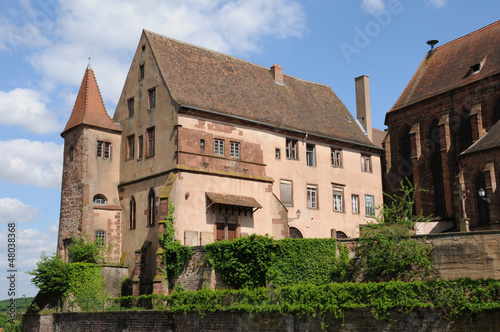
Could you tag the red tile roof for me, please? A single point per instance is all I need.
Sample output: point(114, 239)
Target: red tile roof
point(378, 136)
point(216, 82)
point(89, 108)
point(235, 200)
point(449, 66)
point(491, 140)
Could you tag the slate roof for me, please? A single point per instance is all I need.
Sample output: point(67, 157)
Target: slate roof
point(203, 79)
point(490, 140)
point(448, 66)
point(89, 108)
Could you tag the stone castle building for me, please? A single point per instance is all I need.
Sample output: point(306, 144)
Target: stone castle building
point(236, 147)
point(444, 133)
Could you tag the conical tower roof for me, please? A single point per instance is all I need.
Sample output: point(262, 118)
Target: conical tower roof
point(89, 108)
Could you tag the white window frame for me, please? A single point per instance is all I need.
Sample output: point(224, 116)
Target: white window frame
point(311, 155)
point(312, 196)
point(355, 204)
point(369, 205)
point(291, 149)
point(218, 147)
point(336, 156)
point(234, 149)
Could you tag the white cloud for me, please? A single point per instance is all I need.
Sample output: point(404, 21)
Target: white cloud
point(13, 210)
point(26, 108)
point(31, 162)
point(438, 3)
point(373, 6)
point(30, 243)
point(108, 32)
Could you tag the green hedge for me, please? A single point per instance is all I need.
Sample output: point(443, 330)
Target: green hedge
point(454, 297)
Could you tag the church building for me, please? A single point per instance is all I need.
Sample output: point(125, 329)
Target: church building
point(443, 133)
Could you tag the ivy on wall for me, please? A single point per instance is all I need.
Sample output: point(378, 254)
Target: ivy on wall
point(175, 255)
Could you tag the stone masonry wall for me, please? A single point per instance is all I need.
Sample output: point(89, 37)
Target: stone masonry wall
point(355, 321)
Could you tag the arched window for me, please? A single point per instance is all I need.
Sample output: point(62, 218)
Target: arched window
point(406, 168)
point(295, 233)
point(100, 238)
point(483, 207)
point(341, 235)
point(151, 208)
point(132, 213)
point(465, 130)
point(496, 112)
point(434, 140)
point(100, 199)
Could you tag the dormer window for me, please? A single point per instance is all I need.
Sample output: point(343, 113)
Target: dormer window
point(475, 69)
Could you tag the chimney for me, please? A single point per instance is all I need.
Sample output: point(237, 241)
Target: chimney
point(277, 72)
point(363, 107)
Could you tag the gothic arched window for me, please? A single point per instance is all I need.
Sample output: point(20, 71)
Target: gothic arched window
point(434, 141)
point(132, 213)
point(405, 157)
point(482, 203)
point(151, 208)
point(496, 112)
point(465, 130)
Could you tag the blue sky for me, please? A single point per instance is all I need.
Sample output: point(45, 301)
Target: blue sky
point(45, 46)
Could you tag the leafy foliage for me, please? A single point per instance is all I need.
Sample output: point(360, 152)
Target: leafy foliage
point(51, 276)
point(175, 255)
point(302, 261)
point(57, 279)
point(386, 250)
point(243, 262)
point(86, 251)
point(454, 297)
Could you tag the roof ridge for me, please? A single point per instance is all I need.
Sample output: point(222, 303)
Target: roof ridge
point(456, 40)
point(229, 56)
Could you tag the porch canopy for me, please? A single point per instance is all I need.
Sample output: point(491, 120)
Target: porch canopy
point(232, 203)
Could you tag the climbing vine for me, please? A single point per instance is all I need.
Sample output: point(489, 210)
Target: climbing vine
point(175, 255)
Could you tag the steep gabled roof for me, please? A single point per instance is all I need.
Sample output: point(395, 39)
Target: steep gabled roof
point(216, 82)
point(89, 108)
point(449, 66)
point(490, 140)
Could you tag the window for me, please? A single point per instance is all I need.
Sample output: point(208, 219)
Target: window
point(130, 107)
point(141, 148)
point(130, 147)
point(71, 152)
point(338, 198)
point(103, 149)
point(496, 112)
point(235, 150)
point(141, 72)
point(366, 165)
point(150, 148)
point(219, 147)
point(291, 149)
point(310, 154)
point(465, 130)
point(286, 192)
point(99, 199)
point(336, 155)
point(277, 153)
point(152, 98)
point(312, 196)
point(132, 213)
point(100, 238)
point(355, 203)
point(151, 208)
point(202, 144)
point(369, 205)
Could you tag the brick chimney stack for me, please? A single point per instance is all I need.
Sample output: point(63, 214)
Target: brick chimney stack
point(277, 72)
point(363, 107)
